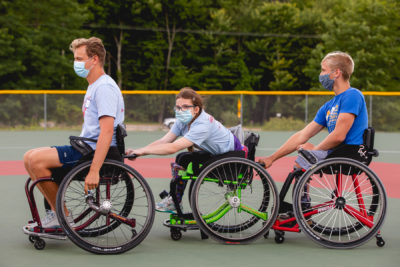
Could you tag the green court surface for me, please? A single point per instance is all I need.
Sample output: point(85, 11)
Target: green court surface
point(158, 249)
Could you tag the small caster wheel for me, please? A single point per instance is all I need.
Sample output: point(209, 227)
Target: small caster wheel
point(176, 234)
point(279, 237)
point(32, 239)
point(266, 235)
point(380, 242)
point(39, 244)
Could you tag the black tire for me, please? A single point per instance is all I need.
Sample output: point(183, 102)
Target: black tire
point(176, 234)
point(39, 244)
point(130, 196)
point(234, 183)
point(340, 220)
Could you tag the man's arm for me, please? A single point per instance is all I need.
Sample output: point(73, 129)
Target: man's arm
point(102, 147)
point(338, 135)
point(293, 142)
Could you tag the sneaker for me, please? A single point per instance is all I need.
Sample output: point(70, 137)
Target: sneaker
point(49, 221)
point(167, 205)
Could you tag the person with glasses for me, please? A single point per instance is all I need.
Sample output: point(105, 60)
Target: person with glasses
point(196, 129)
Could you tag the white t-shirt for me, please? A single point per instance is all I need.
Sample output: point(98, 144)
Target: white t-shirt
point(206, 133)
point(103, 98)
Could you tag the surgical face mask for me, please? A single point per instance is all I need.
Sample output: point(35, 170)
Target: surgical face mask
point(326, 82)
point(184, 116)
point(79, 68)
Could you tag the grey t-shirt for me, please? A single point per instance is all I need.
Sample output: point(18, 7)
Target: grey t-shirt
point(206, 133)
point(103, 98)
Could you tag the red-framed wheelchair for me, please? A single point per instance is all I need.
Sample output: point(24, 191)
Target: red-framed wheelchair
point(338, 203)
point(112, 219)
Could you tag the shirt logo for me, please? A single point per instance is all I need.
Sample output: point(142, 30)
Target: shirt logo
point(86, 104)
point(331, 117)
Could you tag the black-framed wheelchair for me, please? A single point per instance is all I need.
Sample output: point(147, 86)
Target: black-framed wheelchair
point(112, 219)
point(233, 199)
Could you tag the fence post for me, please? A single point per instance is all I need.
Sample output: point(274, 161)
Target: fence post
point(370, 111)
point(306, 110)
point(241, 109)
point(45, 110)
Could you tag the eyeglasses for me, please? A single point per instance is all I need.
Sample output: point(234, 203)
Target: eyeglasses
point(183, 108)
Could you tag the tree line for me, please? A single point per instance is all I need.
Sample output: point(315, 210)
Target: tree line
point(255, 45)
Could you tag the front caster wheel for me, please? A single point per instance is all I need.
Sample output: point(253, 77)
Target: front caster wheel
point(380, 242)
point(279, 237)
point(39, 244)
point(175, 234)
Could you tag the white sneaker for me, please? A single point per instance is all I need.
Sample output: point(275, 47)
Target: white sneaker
point(167, 205)
point(49, 221)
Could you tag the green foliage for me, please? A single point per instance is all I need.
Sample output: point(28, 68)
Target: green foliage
point(67, 113)
point(229, 119)
point(205, 44)
point(283, 124)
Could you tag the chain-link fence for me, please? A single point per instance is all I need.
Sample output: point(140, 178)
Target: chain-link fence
point(267, 110)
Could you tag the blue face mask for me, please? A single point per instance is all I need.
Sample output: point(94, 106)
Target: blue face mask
point(79, 68)
point(184, 116)
point(326, 82)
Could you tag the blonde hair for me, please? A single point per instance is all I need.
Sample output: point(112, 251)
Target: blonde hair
point(94, 47)
point(342, 61)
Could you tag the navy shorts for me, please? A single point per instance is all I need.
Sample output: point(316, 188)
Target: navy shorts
point(68, 155)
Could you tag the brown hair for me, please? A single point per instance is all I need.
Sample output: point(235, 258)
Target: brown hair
point(342, 61)
point(189, 93)
point(94, 47)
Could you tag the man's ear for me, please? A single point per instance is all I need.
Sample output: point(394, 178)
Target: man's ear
point(338, 73)
point(96, 59)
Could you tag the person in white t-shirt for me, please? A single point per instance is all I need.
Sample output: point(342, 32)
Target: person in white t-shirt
point(197, 129)
point(103, 110)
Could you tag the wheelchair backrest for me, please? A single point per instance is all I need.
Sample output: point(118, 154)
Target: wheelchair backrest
point(120, 135)
point(369, 136)
point(251, 141)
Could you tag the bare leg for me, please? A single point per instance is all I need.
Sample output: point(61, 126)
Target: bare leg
point(38, 163)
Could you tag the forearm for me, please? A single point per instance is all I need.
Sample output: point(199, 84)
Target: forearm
point(159, 149)
point(289, 146)
point(329, 142)
point(102, 147)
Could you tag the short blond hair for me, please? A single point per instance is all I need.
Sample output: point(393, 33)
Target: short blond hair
point(342, 61)
point(94, 46)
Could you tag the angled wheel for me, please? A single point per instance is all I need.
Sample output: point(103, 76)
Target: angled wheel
point(115, 217)
point(234, 200)
point(340, 203)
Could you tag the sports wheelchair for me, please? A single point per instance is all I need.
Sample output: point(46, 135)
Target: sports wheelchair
point(113, 218)
point(233, 199)
point(339, 202)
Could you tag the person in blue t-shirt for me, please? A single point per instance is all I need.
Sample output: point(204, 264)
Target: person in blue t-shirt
point(103, 110)
point(345, 116)
point(197, 129)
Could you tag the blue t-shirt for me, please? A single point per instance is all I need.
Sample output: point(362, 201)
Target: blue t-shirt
point(350, 101)
point(103, 98)
point(206, 133)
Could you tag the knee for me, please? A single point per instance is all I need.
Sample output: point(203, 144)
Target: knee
point(33, 161)
point(27, 156)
